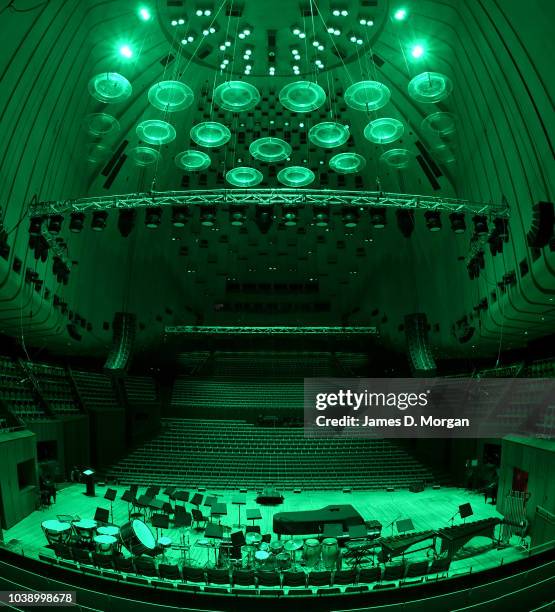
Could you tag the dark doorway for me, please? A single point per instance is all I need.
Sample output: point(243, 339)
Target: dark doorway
point(520, 480)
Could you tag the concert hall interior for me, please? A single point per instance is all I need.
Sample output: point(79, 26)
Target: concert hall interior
point(242, 244)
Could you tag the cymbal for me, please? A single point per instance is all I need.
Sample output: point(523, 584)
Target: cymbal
point(253, 538)
point(292, 545)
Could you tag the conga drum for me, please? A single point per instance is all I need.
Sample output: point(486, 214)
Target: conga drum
point(330, 552)
point(247, 555)
point(311, 552)
point(137, 538)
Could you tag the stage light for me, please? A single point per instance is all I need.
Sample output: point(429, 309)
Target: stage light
point(377, 218)
point(350, 216)
point(290, 216)
point(417, 51)
point(501, 228)
point(126, 51)
point(126, 221)
point(208, 216)
point(433, 220)
point(99, 220)
point(480, 225)
point(76, 222)
point(458, 224)
point(55, 224)
point(321, 216)
point(153, 217)
point(237, 216)
point(400, 14)
point(144, 14)
point(405, 222)
point(179, 216)
point(264, 217)
point(35, 226)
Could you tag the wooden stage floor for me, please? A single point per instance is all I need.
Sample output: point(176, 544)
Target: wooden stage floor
point(430, 509)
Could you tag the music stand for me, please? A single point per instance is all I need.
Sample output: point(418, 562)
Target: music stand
point(214, 532)
point(152, 490)
point(465, 510)
point(169, 491)
point(239, 500)
point(404, 525)
point(210, 500)
point(110, 495)
point(218, 510)
point(102, 515)
point(128, 497)
point(357, 532)
point(253, 514)
point(182, 496)
point(160, 521)
point(197, 499)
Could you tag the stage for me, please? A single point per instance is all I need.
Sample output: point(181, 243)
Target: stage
point(431, 509)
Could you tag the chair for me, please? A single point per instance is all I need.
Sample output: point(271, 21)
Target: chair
point(330, 591)
point(193, 574)
point(170, 572)
point(217, 576)
point(123, 564)
point(356, 589)
point(270, 592)
point(393, 572)
point(268, 579)
point(370, 574)
point(294, 579)
point(145, 566)
point(81, 556)
point(319, 579)
point(198, 517)
point(216, 590)
point(419, 568)
point(137, 580)
point(301, 592)
point(103, 561)
point(243, 578)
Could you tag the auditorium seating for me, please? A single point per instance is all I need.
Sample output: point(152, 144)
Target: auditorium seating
point(96, 390)
point(54, 386)
point(140, 389)
point(232, 454)
point(17, 392)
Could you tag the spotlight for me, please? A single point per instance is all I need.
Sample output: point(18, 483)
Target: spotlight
point(377, 218)
point(99, 220)
point(480, 225)
point(76, 222)
point(501, 228)
point(321, 217)
point(153, 217)
point(237, 215)
point(264, 218)
point(126, 221)
point(144, 14)
point(55, 224)
point(126, 51)
point(458, 224)
point(179, 216)
point(350, 216)
point(290, 216)
point(208, 216)
point(400, 14)
point(35, 226)
point(433, 220)
point(417, 51)
point(405, 222)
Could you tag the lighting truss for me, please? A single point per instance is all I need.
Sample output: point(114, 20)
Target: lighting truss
point(304, 197)
point(242, 330)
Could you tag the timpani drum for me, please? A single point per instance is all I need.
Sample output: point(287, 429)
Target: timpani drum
point(105, 544)
point(56, 532)
point(109, 530)
point(137, 538)
point(311, 552)
point(247, 556)
point(85, 529)
point(330, 552)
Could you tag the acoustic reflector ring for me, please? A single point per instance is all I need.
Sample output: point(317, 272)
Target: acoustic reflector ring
point(244, 176)
point(102, 124)
point(430, 87)
point(347, 163)
point(328, 134)
point(236, 96)
point(110, 87)
point(210, 134)
point(384, 130)
point(269, 149)
point(97, 153)
point(444, 153)
point(367, 95)
point(302, 96)
point(295, 176)
point(170, 96)
point(396, 158)
point(440, 124)
point(156, 131)
point(192, 161)
point(144, 156)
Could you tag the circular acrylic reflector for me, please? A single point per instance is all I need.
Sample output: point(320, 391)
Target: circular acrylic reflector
point(347, 163)
point(441, 124)
point(367, 95)
point(170, 96)
point(236, 96)
point(384, 130)
point(144, 156)
point(110, 87)
point(102, 124)
point(302, 96)
point(328, 134)
point(97, 153)
point(192, 160)
point(270, 149)
point(430, 87)
point(156, 131)
point(295, 176)
point(396, 158)
point(244, 176)
point(210, 134)
point(444, 153)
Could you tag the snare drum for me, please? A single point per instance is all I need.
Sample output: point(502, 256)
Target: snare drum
point(137, 538)
point(105, 544)
point(311, 552)
point(330, 552)
point(283, 561)
point(261, 557)
point(56, 532)
point(247, 556)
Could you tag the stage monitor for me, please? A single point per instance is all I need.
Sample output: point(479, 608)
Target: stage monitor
point(465, 510)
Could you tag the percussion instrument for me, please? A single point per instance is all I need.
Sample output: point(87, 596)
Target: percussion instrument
point(292, 546)
point(137, 538)
point(109, 530)
point(164, 543)
point(85, 529)
point(330, 552)
point(105, 544)
point(265, 546)
point(456, 536)
point(311, 551)
point(247, 555)
point(276, 547)
point(56, 532)
point(261, 557)
point(253, 538)
point(283, 561)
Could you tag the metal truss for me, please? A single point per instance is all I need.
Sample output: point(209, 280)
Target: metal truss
point(285, 197)
point(242, 330)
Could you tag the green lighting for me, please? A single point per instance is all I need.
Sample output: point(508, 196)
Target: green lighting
point(396, 158)
point(110, 87)
point(328, 134)
point(156, 131)
point(144, 14)
point(430, 87)
point(144, 156)
point(210, 134)
point(302, 96)
point(97, 153)
point(367, 95)
point(170, 96)
point(295, 176)
point(102, 124)
point(244, 176)
point(440, 124)
point(384, 130)
point(270, 149)
point(417, 51)
point(347, 163)
point(400, 14)
point(126, 51)
point(236, 96)
point(192, 161)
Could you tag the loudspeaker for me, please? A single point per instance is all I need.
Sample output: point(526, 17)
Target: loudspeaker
point(541, 231)
point(418, 348)
point(465, 510)
point(123, 339)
